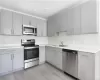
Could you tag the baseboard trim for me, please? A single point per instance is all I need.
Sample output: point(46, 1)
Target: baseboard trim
point(54, 66)
point(10, 72)
point(18, 69)
point(41, 63)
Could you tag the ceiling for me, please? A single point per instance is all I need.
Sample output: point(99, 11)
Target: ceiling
point(41, 8)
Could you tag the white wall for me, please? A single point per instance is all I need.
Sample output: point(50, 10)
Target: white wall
point(84, 40)
point(16, 40)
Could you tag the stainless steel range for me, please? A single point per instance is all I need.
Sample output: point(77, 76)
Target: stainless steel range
point(31, 53)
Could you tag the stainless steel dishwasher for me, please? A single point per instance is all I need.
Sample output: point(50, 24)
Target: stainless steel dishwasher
point(70, 62)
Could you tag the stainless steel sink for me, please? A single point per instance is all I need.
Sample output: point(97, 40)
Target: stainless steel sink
point(63, 45)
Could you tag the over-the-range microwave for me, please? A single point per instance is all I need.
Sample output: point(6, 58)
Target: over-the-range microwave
point(29, 30)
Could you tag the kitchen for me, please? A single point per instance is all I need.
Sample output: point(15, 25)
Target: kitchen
point(64, 45)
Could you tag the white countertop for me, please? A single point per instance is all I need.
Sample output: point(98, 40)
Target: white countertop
point(91, 49)
point(10, 46)
point(84, 48)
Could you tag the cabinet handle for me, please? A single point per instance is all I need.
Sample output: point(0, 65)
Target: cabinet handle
point(11, 31)
point(30, 23)
point(11, 57)
point(85, 55)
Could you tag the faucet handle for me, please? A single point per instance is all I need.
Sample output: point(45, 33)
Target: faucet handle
point(61, 42)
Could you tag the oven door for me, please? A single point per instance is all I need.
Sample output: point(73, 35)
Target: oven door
point(31, 53)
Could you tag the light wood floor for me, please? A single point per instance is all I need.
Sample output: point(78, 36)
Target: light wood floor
point(42, 72)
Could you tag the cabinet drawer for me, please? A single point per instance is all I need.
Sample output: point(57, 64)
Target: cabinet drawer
point(86, 66)
point(6, 51)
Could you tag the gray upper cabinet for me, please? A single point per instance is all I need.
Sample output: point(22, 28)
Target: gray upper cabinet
point(33, 21)
point(17, 24)
point(77, 19)
point(74, 17)
point(11, 23)
point(26, 20)
point(6, 22)
point(57, 22)
point(51, 26)
point(66, 20)
point(89, 17)
point(70, 28)
point(41, 27)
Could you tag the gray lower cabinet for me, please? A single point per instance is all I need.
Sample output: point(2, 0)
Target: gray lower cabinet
point(86, 66)
point(58, 58)
point(49, 54)
point(17, 24)
point(11, 60)
point(89, 17)
point(18, 59)
point(41, 54)
point(6, 22)
point(54, 56)
point(5, 63)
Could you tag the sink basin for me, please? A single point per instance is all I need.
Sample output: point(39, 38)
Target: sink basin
point(54, 45)
point(63, 45)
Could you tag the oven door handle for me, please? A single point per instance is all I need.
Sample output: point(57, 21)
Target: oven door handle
point(30, 47)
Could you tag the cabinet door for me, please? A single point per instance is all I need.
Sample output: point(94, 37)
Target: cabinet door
point(89, 17)
point(70, 28)
point(49, 54)
point(26, 20)
point(17, 24)
point(41, 28)
point(18, 59)
point(6, 22)
point(44, 29)
point(34, 21)
point(86, 66)
point(74, 20)
point(47, 51)
point(51, 26)
point(58, 58)
point(41, 54)
point(5, 63)
point(54, 56)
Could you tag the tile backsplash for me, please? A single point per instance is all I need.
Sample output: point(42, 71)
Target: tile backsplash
point(16, 40)
point(85, 39)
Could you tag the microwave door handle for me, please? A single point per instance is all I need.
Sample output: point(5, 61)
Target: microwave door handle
point(34, 30)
